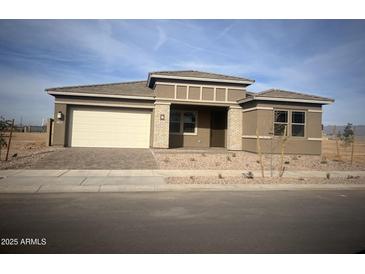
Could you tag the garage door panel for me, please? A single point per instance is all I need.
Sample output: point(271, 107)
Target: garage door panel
point(109, 128)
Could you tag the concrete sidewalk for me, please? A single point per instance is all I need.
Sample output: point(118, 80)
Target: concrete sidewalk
point(61, 181)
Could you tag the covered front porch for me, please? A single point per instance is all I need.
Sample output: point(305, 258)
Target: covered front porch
point(178, 125)
point(192, 126)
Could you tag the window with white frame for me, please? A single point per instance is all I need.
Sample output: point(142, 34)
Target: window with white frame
point(183, 122)
point(280, 122)
point(298, 123)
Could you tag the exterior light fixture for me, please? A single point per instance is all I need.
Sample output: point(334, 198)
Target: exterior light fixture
point(59, 115)
point(162, 117)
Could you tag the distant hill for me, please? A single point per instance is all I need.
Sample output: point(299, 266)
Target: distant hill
point(360, 130)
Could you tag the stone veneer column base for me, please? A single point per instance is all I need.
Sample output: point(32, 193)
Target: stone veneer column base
point(234, 128)
point(161, 126)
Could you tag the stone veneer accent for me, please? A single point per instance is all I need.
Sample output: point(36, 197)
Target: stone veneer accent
point(161, 127)
point(234, 128)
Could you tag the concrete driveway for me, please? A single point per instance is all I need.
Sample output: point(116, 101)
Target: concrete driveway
point(98, 158)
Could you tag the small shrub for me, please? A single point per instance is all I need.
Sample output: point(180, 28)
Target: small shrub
point(220, 176)
point(192, 159)
point(229, 159)
point(192, 178)
point(257, 161)
point(328, 176)
point(248, 175)
point(323, 162)
point(287, 162)
point(352, 177)
point(1, 177)
point(234, 155)
point(301, 179)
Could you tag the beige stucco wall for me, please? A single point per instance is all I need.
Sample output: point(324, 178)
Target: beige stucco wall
point(314, 130)
point(201, 139)
point(165, 91)
point(190, 91)
point(105, 102)
point(263, 120)
point(220, 94)
point(60, 126)
point(292, 146)
point(194, 93)
point(181, 92)
point(235, 94)
point(208, 94)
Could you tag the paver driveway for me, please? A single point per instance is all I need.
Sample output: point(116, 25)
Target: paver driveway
point(98, 158)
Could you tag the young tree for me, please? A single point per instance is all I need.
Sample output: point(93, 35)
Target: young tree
point(348, 134)
point(4, 126)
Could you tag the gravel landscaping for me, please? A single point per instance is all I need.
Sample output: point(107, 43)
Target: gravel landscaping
point(27, 158)
point(242, 160)
point(274, 180)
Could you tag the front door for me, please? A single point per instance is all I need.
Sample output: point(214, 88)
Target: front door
point(218, 128)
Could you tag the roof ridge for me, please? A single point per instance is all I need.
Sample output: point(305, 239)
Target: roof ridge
point(97, 85)
point(189, 70)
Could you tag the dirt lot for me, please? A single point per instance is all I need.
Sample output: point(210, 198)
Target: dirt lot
point(190, 159)
point(25, 149)
point(329, 150)
point(204, 180)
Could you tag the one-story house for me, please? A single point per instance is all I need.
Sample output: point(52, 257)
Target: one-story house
point(191, 109)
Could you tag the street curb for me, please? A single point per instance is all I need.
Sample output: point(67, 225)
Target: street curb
point(176, 188)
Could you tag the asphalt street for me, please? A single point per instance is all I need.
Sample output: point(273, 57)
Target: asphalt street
point(302, 221)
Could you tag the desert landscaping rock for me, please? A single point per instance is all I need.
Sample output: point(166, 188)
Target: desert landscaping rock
point(224, 160)
point(209, 180)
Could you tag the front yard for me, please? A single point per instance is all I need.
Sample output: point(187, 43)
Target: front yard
point(241, 180)
point(241, 160)
point(25, 150)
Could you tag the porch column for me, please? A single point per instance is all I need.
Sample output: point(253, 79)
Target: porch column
point(161, 125)
point(234, 128)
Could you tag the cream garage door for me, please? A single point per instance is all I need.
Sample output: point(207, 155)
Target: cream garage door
point(109, 127)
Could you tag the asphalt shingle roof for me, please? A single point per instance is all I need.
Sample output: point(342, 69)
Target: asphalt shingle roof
point(137, 88)
point(279, 93)
point(200, 74)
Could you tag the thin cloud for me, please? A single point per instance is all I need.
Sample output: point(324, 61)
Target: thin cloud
point(317, 56)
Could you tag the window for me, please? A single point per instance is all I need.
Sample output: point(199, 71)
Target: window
point(298, 123)
point(280, 122)
point(183, 122)
point(189, 122)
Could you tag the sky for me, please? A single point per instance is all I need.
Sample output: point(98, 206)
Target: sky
point(322, 57)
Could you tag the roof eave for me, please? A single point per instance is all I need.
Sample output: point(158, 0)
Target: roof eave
point(121, 96)
point(255, 98)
